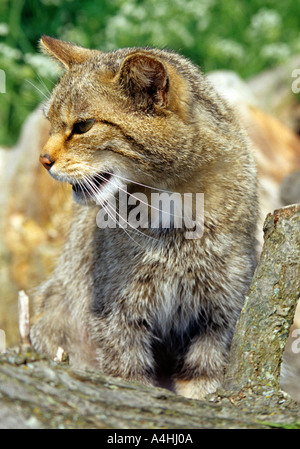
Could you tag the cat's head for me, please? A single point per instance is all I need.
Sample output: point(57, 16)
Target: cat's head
point(123, 114)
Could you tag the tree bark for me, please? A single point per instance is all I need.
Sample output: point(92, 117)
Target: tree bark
point(263, 327)
point(38, 393)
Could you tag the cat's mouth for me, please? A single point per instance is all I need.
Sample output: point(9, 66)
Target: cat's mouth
point(90, 187)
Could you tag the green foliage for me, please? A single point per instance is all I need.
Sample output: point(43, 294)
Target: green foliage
point(242, 35)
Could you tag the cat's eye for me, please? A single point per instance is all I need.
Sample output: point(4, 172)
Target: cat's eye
point(83, 126)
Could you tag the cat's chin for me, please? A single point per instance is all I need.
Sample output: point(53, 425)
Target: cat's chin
point(93, 190)
point(82, 199)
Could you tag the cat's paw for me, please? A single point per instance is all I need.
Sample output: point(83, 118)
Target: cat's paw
point(45, 338)
point(196, 388)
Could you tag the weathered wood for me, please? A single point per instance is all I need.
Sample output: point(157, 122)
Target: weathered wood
point(263, 327)
point(39, 393)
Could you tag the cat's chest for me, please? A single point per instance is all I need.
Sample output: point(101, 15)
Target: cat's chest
point(159, 283)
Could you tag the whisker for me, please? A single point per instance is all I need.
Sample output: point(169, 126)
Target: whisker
point(42, 82)
point(141, 201)
point(84, 190)
point(39, 90)
point(125, 221)
point(133, 227)
point(81, 184)
point(106, 205)
point(126, 179)
point(117, 222)
point(89, 188)
point(97, 174)
point(91, 183)
point(137, 183)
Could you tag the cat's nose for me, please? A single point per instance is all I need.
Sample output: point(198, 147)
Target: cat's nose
point(46, 161)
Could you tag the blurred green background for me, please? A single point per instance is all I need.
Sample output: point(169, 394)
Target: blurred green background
point(246, 36)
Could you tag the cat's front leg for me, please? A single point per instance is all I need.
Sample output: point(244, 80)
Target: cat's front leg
point(203, 366)
point(124, 348)
point(48, 329)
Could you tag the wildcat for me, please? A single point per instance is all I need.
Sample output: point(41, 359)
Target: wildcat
point(147, 304)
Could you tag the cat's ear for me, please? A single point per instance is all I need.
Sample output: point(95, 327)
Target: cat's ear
point(144, 78)
point(65, 52)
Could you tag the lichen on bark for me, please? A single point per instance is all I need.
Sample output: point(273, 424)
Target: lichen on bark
point(263, 327)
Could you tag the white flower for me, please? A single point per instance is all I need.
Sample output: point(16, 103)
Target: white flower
point(4, 29)
point(266, 22)
point(229, 48)
point(9, 52)
point(278, 51)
